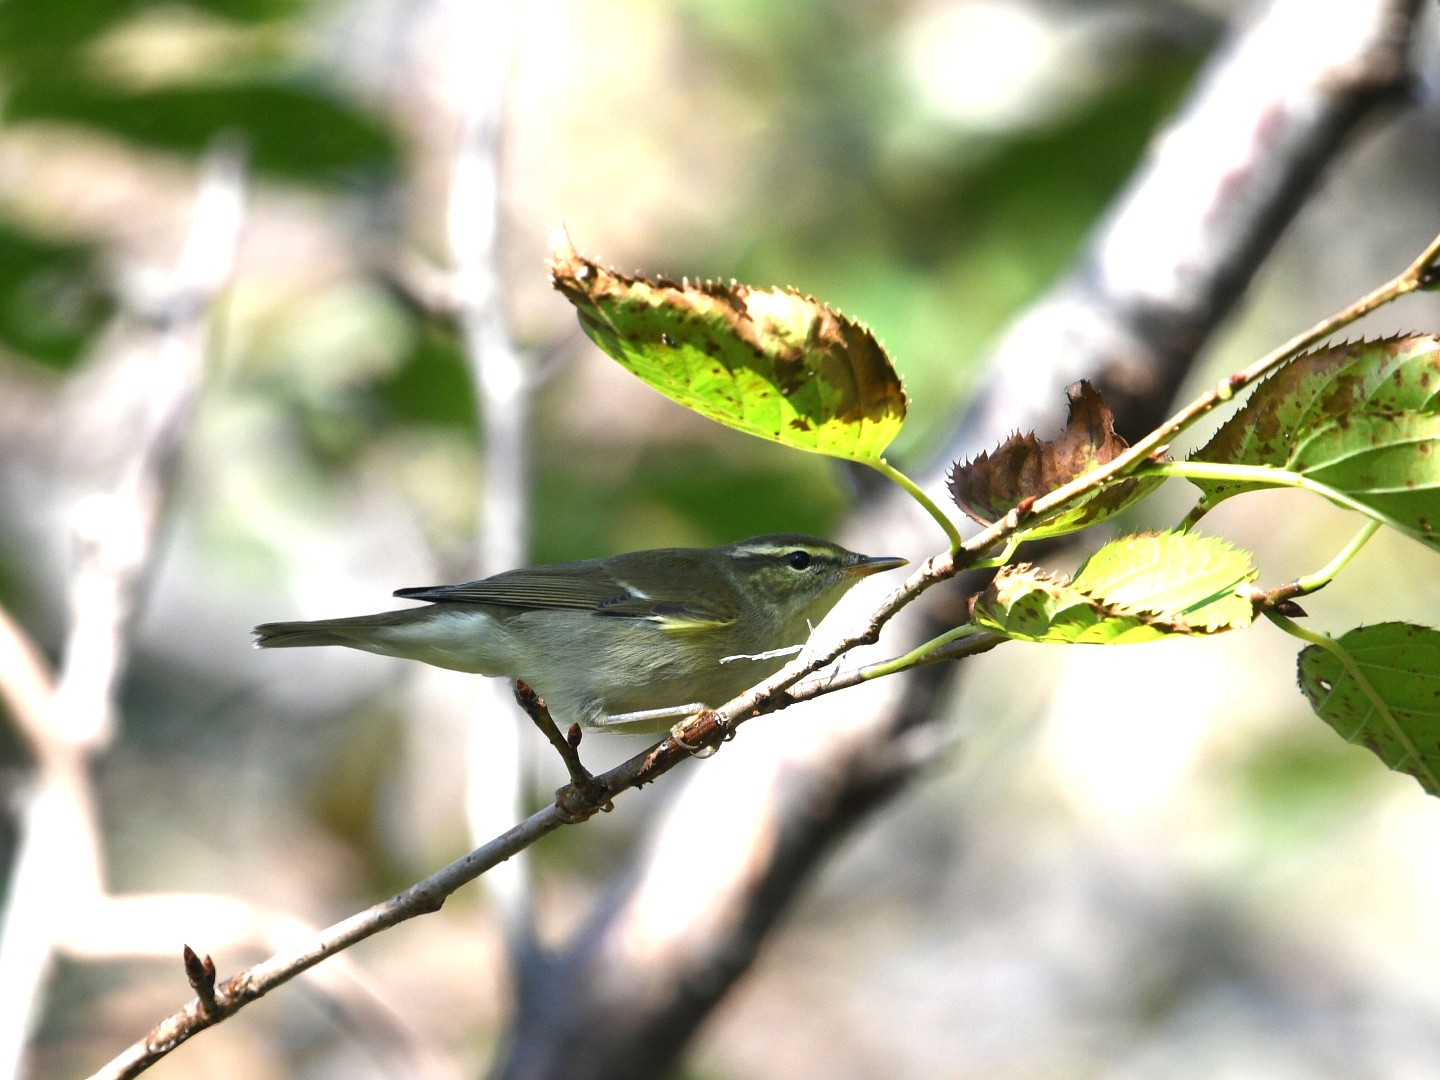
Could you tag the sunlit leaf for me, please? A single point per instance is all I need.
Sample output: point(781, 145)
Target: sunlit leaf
point(1024, 466)
point(1390, 462)
point(1393, 707)
point(1389, 375)
point(1138, 588)
point(771, 362)
point(1362, 419)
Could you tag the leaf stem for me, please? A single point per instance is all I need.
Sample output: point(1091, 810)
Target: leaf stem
point(1004, 556)
point(1326, 574)
point(880, 465)
point(1269, 476)
point(1342, 655)
point(918, 654)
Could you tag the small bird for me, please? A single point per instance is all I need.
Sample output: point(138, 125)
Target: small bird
point(628, 642)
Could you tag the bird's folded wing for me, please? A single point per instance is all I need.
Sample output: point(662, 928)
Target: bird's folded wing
point(557, 588)
point(527, 589)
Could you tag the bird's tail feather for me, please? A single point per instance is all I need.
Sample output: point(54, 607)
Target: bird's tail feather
point(356, 630)
point(458, 637)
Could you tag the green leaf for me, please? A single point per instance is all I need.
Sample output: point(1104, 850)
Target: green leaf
point(1388, 375)
point(1389, 462)
point(1362, 419)
point(292, 127)
point(1386, 698)
point(47, 41)
point(773, 363)
point(1138, 588)
point(51, 299)
point(1026, 467)
point(432, 386)
point(40, 36)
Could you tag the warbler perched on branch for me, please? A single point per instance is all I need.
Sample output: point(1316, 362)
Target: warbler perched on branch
point(628, 642)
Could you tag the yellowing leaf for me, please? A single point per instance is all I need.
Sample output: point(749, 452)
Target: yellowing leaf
point(773, 363)
point(1138, 588)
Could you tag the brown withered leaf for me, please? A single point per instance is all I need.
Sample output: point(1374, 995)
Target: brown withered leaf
point(1025, 466)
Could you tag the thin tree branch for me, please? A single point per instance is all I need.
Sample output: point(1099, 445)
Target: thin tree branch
point(152, 925)
point(482, 54)
point(574, 803)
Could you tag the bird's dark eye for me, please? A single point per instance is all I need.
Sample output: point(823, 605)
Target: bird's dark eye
point(798, 560)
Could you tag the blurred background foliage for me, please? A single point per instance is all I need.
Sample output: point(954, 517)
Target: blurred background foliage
point(927, 165)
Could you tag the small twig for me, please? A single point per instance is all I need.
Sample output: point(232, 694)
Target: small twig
point(582, 781)
point(201, 974)
point(1281, 598)
point(235, 993)
point(147, 925)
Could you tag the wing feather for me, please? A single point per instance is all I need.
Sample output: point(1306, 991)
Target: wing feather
point(547, 588)
point(575, 586)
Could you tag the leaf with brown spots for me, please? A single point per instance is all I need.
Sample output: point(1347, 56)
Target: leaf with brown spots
point(1134, 589)
point(1362, 419)
point(1024, 466)
point(1386, 699)
point(1389, 375)
point(773, 363)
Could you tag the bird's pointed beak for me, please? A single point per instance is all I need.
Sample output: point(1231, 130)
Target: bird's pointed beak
point(866, 565)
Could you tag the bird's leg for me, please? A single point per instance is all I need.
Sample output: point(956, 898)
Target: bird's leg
point(644, 720)
point(639, 720)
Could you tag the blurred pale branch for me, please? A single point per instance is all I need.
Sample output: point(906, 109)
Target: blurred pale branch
point(27, 684)
point(116, 533)
point(58, 902)
point(481, 63)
